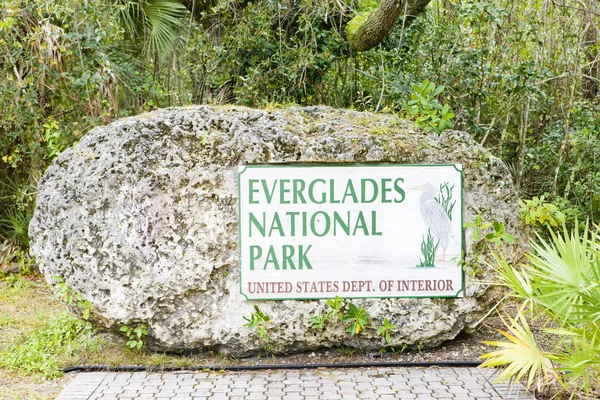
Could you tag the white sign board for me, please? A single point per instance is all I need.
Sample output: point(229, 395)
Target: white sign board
point(311, 231)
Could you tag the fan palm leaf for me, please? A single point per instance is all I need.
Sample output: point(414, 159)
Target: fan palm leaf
point(565, 274)
point(520, 356)
point(155, 24)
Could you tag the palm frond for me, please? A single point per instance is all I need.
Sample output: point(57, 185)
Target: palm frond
point(564, 273)
point(520, 356)
point(154, 23)
point(580, 362)
point(165, 19)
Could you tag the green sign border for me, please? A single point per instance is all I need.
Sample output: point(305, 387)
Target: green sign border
point(326, 165)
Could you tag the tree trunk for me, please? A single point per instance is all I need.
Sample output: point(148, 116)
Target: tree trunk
point(381, 21)
point(591, 72)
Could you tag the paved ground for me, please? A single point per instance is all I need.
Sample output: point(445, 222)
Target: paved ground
point(364, 383)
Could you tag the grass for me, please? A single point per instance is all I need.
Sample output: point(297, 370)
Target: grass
point(30, 313)
point(39, 337)
point(26, 305)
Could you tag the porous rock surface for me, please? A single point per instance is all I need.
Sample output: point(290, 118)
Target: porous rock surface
point(140, 217)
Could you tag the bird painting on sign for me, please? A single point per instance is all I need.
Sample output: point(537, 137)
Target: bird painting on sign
point(436, 210)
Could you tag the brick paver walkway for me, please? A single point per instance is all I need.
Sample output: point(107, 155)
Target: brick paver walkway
point(358, 383)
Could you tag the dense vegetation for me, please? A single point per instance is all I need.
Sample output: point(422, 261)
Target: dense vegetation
point(520, 76)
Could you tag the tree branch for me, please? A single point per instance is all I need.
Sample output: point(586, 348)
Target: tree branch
point(381, 21)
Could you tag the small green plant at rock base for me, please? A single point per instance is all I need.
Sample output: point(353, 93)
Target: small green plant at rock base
point(347, 350)
point(336, 304)
point(319, 321)
point(426, 111)
point(357, 318)
point(14, 261)
point(15, 225)
point(68, 295)
point(135, 336)
point(385, 330)
point(258, 321)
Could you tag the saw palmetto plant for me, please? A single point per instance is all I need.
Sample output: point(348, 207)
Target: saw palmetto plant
point(559, 289)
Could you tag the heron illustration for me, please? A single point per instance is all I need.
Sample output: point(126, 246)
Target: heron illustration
point(435, 216)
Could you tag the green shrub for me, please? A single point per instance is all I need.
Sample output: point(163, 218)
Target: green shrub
point(41, 350)
point(559, 285)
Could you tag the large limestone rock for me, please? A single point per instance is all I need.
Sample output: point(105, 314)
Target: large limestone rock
point(140, 217)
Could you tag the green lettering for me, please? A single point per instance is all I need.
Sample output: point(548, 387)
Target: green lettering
point(399, 190)
point(350, 192)
point(313, 226)
point(374, 224)
point(332, 192)
point(385, 190)
point(311, 194)
point(363, 187)
point(299, 186)
point(287, 258)
point(268, 194)
point(360, 224)
point(255, 254)
point(256, 223)
point(271, 258)
point(283, 191)
point(345, 225)
point(304, 233)
point(276, 225)
point(293, 215)
point(251, 183)
point(303, 259)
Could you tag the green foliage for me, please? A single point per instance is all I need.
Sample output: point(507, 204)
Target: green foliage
point(135, 336)
point(426, 111)
point(428, 248)
point(357, 319)
point(478, 227)
point(258, 321)
point(386, 329)
point(498, 235)
point(336, 304)
point(320, 321)
point(559, 284)
point(155, 23)
point(15, 225)
point(69, 296)
point(537, 212)
point(17, 201)
point(481, 240)
point(63, 336)
point(347, 350)
point(509, 72)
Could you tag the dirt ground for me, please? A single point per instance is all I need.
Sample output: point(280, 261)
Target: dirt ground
point(18, 387)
